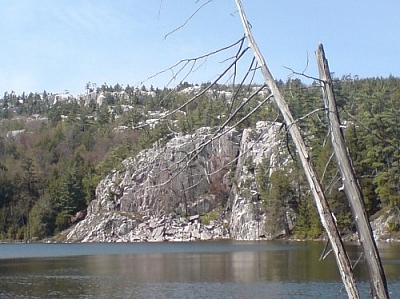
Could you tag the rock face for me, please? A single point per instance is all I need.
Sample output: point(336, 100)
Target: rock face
point(159, 194)
point(386, 225)
point(120, 227)
point(248, 222)
point(184, 176)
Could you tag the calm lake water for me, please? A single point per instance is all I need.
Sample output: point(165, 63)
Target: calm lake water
point(182, 270)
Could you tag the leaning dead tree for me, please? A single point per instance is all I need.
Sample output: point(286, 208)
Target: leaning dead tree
point(326, 216)
point(351, 185)
point(375, 270)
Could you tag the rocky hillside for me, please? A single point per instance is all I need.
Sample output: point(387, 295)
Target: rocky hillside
point(193, 187)
point(55, 150)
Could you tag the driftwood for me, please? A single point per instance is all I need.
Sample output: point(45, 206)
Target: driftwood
point(326, 216)
point(351, 185)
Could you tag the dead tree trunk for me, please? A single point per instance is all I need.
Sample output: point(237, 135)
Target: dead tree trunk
point(351, 185)
point(326, 216)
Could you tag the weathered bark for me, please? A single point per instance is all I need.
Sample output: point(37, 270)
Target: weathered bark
point(327, 219)
point(351, 185)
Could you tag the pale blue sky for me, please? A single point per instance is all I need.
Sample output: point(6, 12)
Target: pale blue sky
point(61, 45)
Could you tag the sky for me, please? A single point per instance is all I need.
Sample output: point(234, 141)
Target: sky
point(62, 45)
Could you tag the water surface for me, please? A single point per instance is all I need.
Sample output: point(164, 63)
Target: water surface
point(181, 270)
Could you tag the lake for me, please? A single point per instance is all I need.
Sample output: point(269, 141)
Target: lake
point(221, 269)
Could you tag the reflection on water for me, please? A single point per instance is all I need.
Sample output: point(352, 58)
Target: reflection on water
point(181, 270)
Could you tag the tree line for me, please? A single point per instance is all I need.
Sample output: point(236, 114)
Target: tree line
point(51, 165)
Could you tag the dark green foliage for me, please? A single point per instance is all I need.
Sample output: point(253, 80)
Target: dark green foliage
point(42, 218)
point(374, 140)
point(49, 171)
point(277, 193)
point(307, 224)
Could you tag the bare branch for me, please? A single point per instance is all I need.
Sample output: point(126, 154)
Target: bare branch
point(188, 19)
point(326, 166)
point(159, 9)
point(195, 97)
point(234, 96)
point(239, 122)
point(302, 74)
point(219, 133)
point(369, 130)
point(187, 60)
point(246, 151)
point(327, 220)
point(308, 115)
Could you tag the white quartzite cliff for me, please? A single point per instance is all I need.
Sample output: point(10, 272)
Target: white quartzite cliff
point(159, 194)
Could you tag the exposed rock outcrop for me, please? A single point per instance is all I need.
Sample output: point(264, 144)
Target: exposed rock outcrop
point(184, 176)
point(120, 227)
point(262, 144)
point(159, 194)
point(386, 226)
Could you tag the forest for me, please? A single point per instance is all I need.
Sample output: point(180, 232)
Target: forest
point(54, 153)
